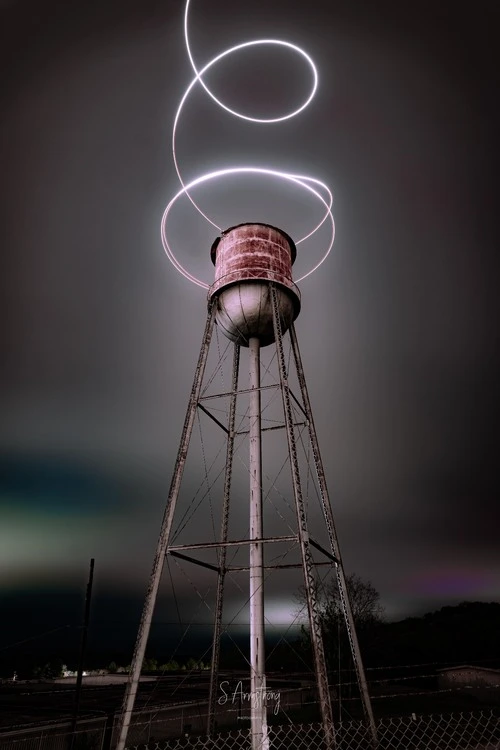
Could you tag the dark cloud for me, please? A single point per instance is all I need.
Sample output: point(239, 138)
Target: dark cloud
point(398, 329)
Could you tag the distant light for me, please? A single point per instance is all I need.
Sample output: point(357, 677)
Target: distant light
point(301, 180)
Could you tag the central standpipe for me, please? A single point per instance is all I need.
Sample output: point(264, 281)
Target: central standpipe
point(258, 711)
point(247, 258)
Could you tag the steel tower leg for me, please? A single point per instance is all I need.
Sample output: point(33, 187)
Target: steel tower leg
point(258, 710)
point(303, 535)
point(214, 672)
point(332, 534)
point(159, 560)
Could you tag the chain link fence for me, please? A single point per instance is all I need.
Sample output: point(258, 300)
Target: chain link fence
point(464, 731)
point(478, 730)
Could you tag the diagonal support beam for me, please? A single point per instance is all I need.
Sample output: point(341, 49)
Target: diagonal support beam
point(222, 550)
point(323, 550)
point(202, 563)
point(304, 542)
point(334, 544)
point(159, 560)
point(217, 422)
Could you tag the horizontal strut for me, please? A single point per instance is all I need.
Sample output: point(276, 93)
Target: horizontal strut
point(215, 545)
point(268, 429)
point(282, 566)
point(243, 390)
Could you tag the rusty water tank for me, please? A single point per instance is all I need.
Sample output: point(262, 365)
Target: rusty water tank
point(246, 258)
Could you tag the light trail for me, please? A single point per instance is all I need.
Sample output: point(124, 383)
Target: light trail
point(303, 181)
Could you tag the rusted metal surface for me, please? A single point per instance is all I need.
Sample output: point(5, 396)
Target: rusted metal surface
point(247, 257)
point(253, 251)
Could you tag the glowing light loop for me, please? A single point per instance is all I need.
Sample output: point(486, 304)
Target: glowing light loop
point(303, 181)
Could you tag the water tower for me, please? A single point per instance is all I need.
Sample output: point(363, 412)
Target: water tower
point(254, 302)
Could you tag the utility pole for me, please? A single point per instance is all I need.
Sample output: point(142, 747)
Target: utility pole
point(83, 647)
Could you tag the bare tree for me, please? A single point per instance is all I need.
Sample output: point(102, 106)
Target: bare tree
point(367, 612)
point(364, 599)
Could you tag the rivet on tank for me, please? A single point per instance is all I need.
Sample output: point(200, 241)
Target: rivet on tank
point(246, 258)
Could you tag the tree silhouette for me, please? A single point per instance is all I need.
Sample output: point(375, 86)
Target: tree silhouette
point(367, 612)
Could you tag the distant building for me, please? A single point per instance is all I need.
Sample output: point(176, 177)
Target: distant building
point(468, 676)
point(69, 673)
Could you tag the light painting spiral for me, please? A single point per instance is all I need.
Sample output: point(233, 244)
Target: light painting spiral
point(315, 187)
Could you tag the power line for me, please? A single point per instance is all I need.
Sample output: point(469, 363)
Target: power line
point(35, 637)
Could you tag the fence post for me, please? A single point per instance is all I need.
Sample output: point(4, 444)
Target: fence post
point(108, 731)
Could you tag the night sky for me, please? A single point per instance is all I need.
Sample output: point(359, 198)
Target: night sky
point(399, 328)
